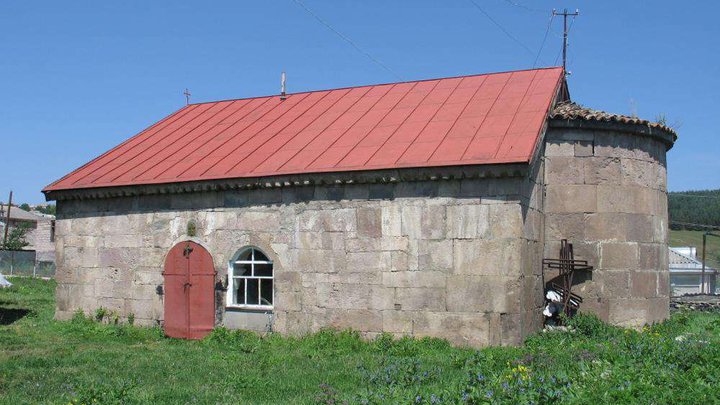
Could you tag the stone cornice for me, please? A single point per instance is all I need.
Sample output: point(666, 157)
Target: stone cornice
point(656, 132)
point(298, 180)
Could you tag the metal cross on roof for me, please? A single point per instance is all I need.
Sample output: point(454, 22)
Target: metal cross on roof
point(567, 265)
point(187, 96)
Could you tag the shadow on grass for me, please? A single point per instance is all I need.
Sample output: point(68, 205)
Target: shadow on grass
point(9, 316)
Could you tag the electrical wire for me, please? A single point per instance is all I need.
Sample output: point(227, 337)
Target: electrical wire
point(346, 39)
point(698, 225)
point(509, 35)
point(535, 10)
point(695, 195)
point(544, 39)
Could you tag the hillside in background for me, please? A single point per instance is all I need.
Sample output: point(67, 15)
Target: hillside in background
point(694, 207)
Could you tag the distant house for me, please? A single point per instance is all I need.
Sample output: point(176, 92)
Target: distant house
point(41, 235)
point(686, 272)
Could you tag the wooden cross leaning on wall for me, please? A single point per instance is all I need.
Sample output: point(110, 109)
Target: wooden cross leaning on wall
point(566, 265)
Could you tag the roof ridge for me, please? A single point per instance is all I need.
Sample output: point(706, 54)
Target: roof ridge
point(379, 84)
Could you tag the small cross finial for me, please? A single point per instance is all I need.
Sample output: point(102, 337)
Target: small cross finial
point(187, 96)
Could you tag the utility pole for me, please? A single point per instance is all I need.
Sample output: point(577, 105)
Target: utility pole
point(7, 220)
point(702, 277)
point(565, 15)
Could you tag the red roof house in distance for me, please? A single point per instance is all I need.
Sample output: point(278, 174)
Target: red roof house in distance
point(419, 208)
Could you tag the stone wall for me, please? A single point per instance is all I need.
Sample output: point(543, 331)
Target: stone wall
point(457, 259)
point(606, 194)
point(42, 241)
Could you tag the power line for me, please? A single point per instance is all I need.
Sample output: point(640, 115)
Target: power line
point(535, 10)
point(698, 225)
point(695, 195)
point(509, 35)
point(346, 39)
point(544, 38)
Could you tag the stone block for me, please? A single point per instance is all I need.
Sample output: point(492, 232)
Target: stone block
point(420, 299)
point(663, 284)
point(364, 262)
point(619, 256)
point(564, 170)
point(363, 245)
point(468, 293)
point(391, 218)
point(312, 240)
point(333, 240)
point(399, 261)
point(571, 198)
point(643, 284)
point(399, 322)
point(467, 221)
point(559, 148)
point(604, 227)
point(584, 148)
point(506, 221)
point(435, 255)
point(626, 199)
point(639, 173)
point(321, 261)
point(649, 256)
point(639, 227)
point(629, 313)
point(258, 220)
point(616, 284)
point(417, 279)
point(432, 222)
point(466, 329)
point(339, 220)
point(487, 257)
point(411, 221)
point(369, 222)
point(356, 319)
point(602, 170)
point(565, 226)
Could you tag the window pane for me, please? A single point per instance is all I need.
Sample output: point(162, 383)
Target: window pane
point(245, 256)
point(239, 291)
point(241, 269)
point(263, 270)
point(252, 292)
point(266, 292)
point(260, 256)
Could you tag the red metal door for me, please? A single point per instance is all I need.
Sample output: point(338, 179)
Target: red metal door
point(189, 291)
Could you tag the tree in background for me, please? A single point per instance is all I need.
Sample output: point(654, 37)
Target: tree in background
point(46, 209)
point(25, 206)
point(16, 237)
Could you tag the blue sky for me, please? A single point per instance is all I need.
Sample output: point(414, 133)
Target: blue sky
point(80, 77)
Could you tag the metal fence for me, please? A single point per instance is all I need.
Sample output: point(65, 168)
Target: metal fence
point(24, 263)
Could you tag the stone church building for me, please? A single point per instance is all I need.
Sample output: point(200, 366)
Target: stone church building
point(418, 208)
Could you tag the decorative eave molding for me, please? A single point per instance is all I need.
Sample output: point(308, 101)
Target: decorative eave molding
point(299, 180)
point(656, 132)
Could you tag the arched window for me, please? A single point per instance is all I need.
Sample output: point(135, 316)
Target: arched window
point(250, 280)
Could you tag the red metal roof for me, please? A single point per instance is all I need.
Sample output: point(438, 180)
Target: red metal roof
point(480, 119)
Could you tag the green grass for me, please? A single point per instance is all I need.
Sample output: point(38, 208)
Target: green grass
point(82, 361)
point(694, 238)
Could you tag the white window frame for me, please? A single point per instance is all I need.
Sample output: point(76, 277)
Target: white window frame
point(232, 277)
